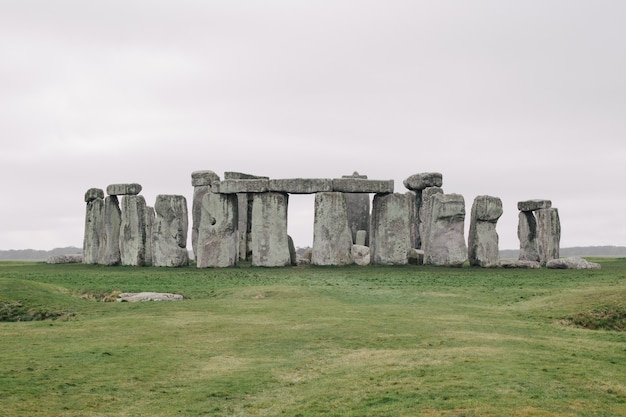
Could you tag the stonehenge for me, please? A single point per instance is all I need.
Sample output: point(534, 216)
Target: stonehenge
point(244, 218)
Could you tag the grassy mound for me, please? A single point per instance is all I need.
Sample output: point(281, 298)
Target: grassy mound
point(22, 300)
point(612, 317)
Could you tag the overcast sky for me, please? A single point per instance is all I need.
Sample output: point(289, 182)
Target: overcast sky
point(514, 99)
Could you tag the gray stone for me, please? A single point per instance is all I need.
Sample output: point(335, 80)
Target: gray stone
point(527, 234)
point(196, 214)
point(269, 242)
point(446, 241)
point(244, 224)
point(300, 185)
point(361, 238)
point(572, 262)
point(133, 297)
point(240, 186)
point(133, 231)
point(94, 223)
point(332, 240)
point(230, 175)
point(361, 255)
point(308, 254)
point(358, 206)
point(548, 234)
point(149, 222)
point(418, 182)
point(293, 256)
point(357, 185)
point(519, 264)
point(416, 257)
point(425, 215)
point(532, 205)
point(203, 178)
point(65, 259)
point(390, 230)
point(217, 237)
point(110, 246)
point(483, 247)
point(355, 175)
point(124, 189)
point(169, 231)
point(93, 194)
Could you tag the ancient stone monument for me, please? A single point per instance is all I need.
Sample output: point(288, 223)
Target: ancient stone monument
point(358, 205)
point(94, 222)
point(217, 244)
point(133, 233)
point(201, 182)
point(483, 247)
point(169, 231)
point(539, 231)
point(418, 183)
point(393, 219)
point(445, 231)
point(332, 239)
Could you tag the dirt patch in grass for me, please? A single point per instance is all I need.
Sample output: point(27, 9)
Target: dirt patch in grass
point(600, 318)
point(103, 296)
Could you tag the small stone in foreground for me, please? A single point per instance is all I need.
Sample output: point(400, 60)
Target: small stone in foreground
point(572, 262)
point(148, 296)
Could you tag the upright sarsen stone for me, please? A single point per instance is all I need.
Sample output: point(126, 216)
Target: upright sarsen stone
point(548, 234)
point(217, 236)
point(527, 234)
point(149, 222)
point(446, 241)
point(201, 182)
point(169, 232)
point(425, 218)
point(483, 247)
point(94, 221)
point(110, 248)
point(332, 239)
point(133, 231)
point(391, 225)
point(269, 242)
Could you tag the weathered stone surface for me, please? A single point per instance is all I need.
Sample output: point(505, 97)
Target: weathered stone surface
point(217, 236)
point(527, 234)
point(169, 231)
point(133, 231)
point(149, 222)
point(425, 215)
point(392, 220)
point(520, 264)
point(416, 257)
point(269, 242)
point(65, 259)
point(244, 224)
point(133, 297)
point(357, 185)
point(300, 185)
point(203, 178)
point(572, 262)
point(361, 238)
point(446, 241)
point(418, 182)
point(332, 240)
point(93, 194)
point(124, 189)
point(358, 206)
point(240, 186)
point(548, 234)
point(196, 214)
point(361, 255)
point(231, 175)
point(94, 222)
point(532, 205)
point(293, 256)
point(308, 254)
point(110, 246)
point(483, 247)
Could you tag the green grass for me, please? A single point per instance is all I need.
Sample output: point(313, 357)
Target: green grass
point(313, 341)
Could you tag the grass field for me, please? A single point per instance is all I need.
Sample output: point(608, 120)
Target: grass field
point(313, 341)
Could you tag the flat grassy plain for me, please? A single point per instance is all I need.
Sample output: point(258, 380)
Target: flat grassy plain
point(313, 341)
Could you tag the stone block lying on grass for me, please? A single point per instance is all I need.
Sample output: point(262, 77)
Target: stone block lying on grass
point(148, 296)
point(522, 264)
point(572, 262)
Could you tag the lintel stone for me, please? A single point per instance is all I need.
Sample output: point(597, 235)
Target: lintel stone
point(240, 186)
point(301, 185)
point(358, 185)
point(424, 180)
point(124, 189)
point(532, 205)
point(230, 175)
point(93, 194)
point(202, 178)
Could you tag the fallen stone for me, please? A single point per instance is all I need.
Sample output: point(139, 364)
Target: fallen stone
point(332, 240)
point(124, 189)
point(217, 236)
point(240, 186)
point(361, 255)
point(519, 264)
point(148, 296)
point(418, 182)
point(572, 262)
point(93, 193)
point(203, 178)
point(169, 231)
point(300, 185)
point(532, 205)
point(357, 185)
point(65, 259)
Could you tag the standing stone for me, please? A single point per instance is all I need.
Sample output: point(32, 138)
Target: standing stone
point(358, 211)
point(418, 183)
point(133, 230)
point(169, 232)
point(390, 228)
point(201, 182)
point(446, 241)
point(217, 237)
point(425, 215)
point(94, 222)
point(332, 239)
point(483, 239)
point(149, 222)
point(548, 234)
point(269, 242)
point(110, 249)
point(293, 255)
point(527, 234)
